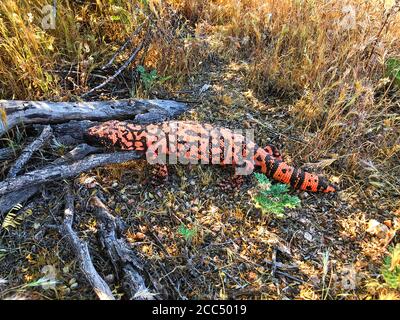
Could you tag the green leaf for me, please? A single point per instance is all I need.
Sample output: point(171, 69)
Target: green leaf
point(148, 79)
point(141, 69)
point(262, 179)
point(273, 198)
point(393, 70)
point(153, 73)
point(186, 233)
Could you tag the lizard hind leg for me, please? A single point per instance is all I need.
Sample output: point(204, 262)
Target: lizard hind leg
point(273, 152)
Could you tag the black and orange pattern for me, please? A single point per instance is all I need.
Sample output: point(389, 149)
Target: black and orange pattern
point(192, 142)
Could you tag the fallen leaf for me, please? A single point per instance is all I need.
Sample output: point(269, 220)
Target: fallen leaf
point(251, 276)
point(377, 229)
point(139, 236)
point(388, 223)
point(320, 164)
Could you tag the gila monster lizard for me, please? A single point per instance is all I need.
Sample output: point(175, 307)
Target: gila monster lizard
point(205, 143)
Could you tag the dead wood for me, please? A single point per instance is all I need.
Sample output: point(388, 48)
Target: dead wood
point(6, 153)
point(120, 253)
point(45, 112)
point(9, 200)
point(124, 46)
point(121, 69)
point(29, 150)
point(57, 172)
point(81, 251)
point(70, 132)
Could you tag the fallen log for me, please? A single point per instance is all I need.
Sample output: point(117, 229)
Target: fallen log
point(45, 112)
point(8, 201)
point(70, 132)
point(57, 172)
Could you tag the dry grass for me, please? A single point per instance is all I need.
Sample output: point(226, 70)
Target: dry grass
point(319, 64)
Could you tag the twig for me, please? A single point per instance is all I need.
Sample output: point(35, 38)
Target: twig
point(273, 269)
point(29, 150)
point(81, 250)
point(287, 275)
point(118, 72)
point(57, 172)
point(396, 6)
point(124, 46)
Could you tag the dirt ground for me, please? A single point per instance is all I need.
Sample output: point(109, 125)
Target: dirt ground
point(321, 250)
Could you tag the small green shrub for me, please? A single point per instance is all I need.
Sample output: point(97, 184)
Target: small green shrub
point(393, 70)
point(391, 267)
point(148, 79)
point(273, 198)
point(186, 233)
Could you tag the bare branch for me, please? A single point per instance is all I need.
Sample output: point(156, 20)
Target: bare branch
point(124, 46)
point(6, 153)
point(29, 150)
point(81, 250)
point(45, 112)
point(57, 172)
point(119, 71)
point(8, 201)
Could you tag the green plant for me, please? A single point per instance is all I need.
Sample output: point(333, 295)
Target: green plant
point(391, 267)
point(393, 70)
point(273, 198)
point(150, 78)
point(186, 233)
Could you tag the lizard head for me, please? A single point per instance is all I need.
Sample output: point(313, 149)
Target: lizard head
point(105, 134)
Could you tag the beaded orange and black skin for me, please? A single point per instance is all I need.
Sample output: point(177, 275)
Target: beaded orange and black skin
point(203, 142)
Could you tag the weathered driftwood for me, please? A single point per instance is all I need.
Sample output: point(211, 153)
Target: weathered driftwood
point(44, 112)
point(70, 133)
point(9, 200)
point(57, 172)
point(81, 250)
point(6, 153)
point(29, 150)
point(119, 252)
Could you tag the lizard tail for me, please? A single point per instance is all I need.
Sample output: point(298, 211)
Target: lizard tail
point(297, 178)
